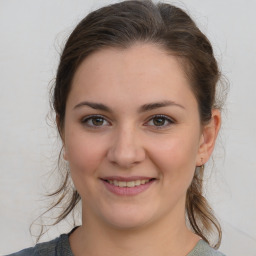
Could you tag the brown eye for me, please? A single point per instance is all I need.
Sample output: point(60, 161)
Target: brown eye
point(160, 121)
point(95, 121)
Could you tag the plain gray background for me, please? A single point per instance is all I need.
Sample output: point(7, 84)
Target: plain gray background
point(32, 34)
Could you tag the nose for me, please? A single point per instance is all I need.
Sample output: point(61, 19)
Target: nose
point(126, 149)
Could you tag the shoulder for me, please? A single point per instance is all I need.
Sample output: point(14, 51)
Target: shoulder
point(202, 248)
point(55, 247)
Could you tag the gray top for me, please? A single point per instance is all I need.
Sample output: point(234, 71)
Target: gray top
point(60, 247)
point(203, 248)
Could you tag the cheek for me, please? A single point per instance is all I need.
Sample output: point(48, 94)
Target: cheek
point(176, 159)
point(84, 153)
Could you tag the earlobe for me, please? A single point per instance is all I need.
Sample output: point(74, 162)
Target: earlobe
point(208, 137)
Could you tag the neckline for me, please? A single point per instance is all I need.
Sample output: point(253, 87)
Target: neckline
point(199, 244)
point(200, 247)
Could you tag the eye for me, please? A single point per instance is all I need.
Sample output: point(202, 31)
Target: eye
point(160, 121)
point(95, 121)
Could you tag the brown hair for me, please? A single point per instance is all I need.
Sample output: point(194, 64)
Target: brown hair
point(121, 25)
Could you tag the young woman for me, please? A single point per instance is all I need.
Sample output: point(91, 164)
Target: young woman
point(136, 110)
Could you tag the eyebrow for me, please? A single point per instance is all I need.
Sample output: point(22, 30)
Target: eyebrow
point(143, 108)
point(94, 105)
point(155, 105)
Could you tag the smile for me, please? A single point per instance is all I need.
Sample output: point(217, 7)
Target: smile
point(129, 184)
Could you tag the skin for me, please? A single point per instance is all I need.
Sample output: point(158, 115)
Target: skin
point(128, 143)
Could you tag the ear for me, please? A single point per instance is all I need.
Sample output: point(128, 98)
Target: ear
point(208, 138)
point(62, 136)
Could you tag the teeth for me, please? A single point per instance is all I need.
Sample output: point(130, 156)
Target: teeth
point(137, 182)
point(122, 184)
point(129, 184)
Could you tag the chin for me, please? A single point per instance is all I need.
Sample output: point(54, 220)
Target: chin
point(127, 219)
point(127, 223)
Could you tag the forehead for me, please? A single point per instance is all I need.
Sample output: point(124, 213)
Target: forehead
point(142, 72)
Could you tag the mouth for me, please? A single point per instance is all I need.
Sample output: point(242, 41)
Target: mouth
point(130, 186)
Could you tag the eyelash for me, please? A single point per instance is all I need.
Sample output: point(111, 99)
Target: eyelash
point(165, 118)
point(86, 119)
point(168, 119)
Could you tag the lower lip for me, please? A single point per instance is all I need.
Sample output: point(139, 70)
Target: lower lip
point(126, 191)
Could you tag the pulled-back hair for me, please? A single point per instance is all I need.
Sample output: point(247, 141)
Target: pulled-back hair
point(121, 25)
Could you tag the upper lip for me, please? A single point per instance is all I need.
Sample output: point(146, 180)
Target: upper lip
point(131, 178)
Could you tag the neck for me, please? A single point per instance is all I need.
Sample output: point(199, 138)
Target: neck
point(169, 236)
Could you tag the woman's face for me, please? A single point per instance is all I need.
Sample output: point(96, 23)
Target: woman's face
point(131, 118)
